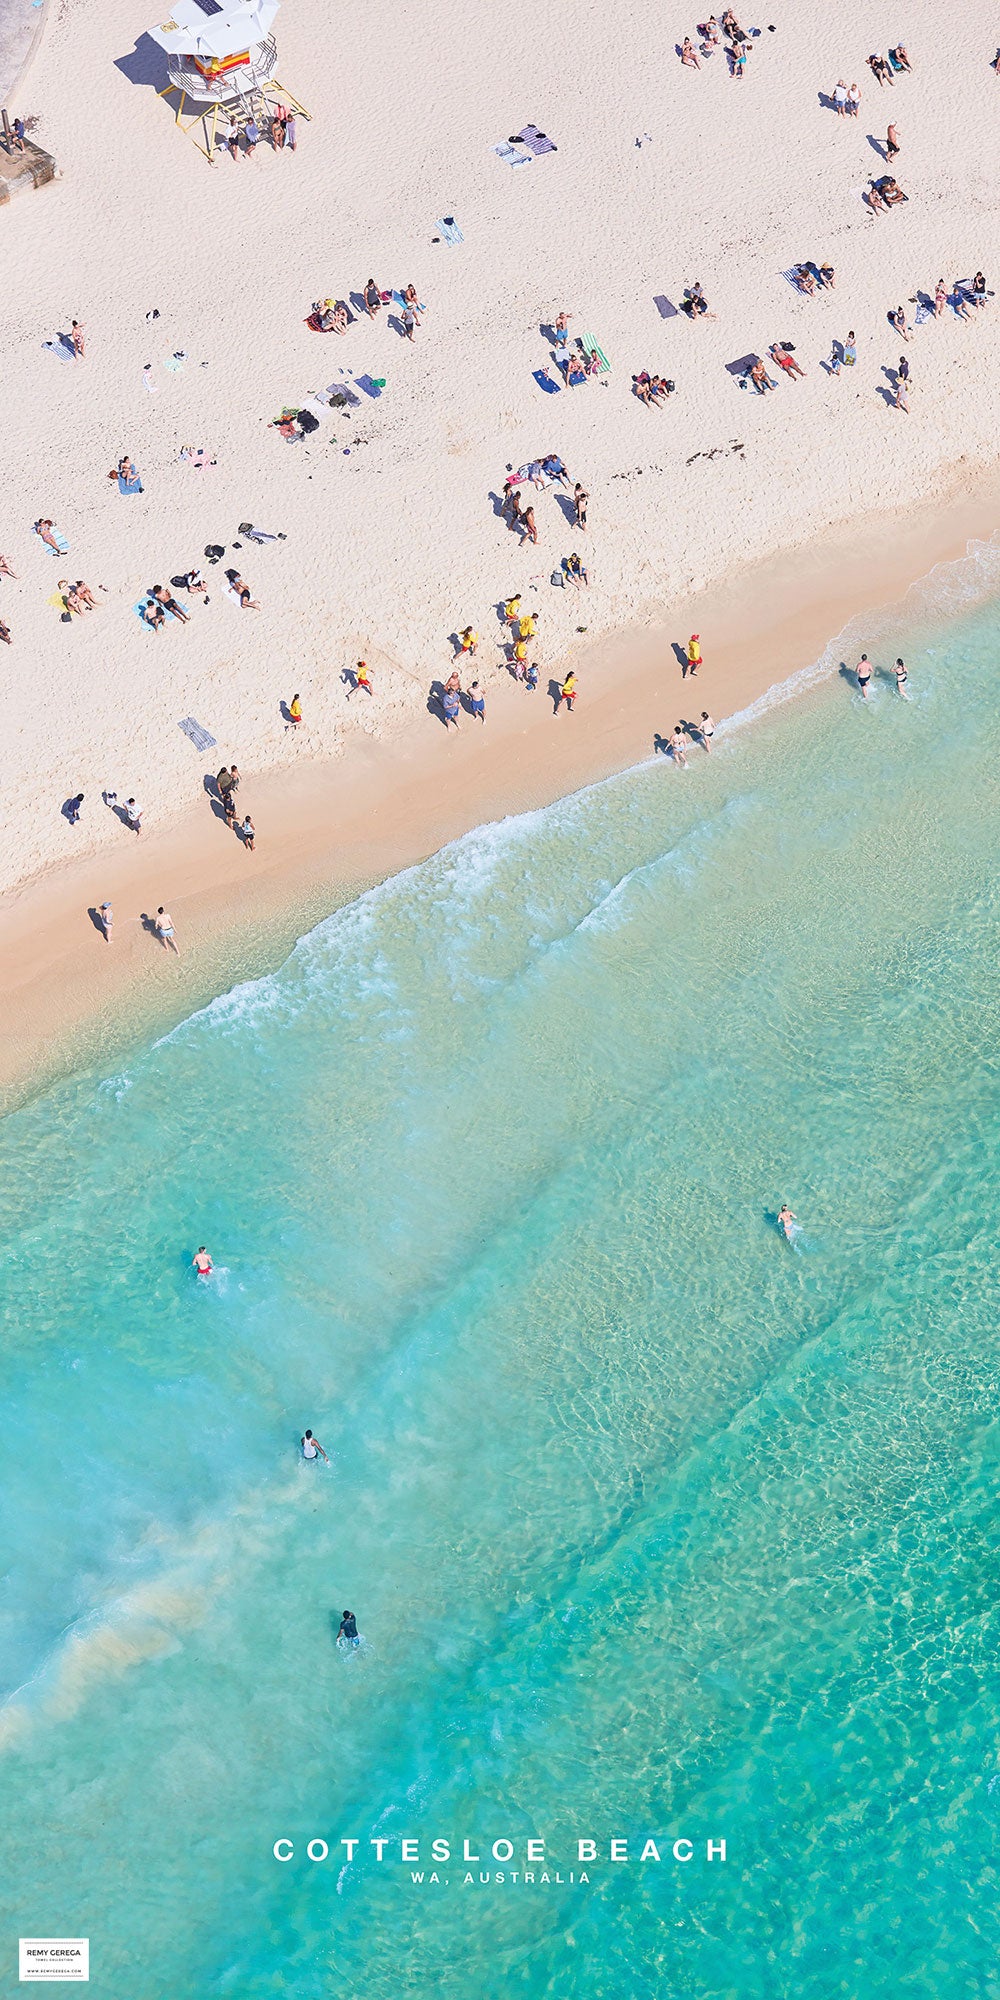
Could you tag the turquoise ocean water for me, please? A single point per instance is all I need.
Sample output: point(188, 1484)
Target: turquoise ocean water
point(655, 1527)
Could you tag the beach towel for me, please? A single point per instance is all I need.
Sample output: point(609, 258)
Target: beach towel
point(590, 347)
point(925, 310)
point(544, 380)
point(450, 230)
point(61, 352)
point(133, 485)
point(139, 610)
point(174, 362)
point(743, 365)
point(537, 141)
point(58, 603)
point(793, 280)
point(896, 65)
point(511, 156)
point(199, 736)
point(664, 307)
point(372, 387)
point(63, 548)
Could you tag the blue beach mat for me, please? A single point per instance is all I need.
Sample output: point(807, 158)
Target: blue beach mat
point(450, 230)
point(544, 380)
point(199, 736)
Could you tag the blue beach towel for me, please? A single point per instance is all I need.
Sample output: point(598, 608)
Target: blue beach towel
point(129, 485)
point(450, 230)
point(544, 380)
point(511, 156)
point(63, 548)
point(199, 736)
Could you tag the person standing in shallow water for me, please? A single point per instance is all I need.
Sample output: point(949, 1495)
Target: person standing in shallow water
point(864, 673)
point(311, 1448)
point(786, 1220)
point(202, 1262)
point(349, 1629)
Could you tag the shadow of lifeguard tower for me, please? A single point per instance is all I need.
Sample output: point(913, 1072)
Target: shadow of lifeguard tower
point(221, 57)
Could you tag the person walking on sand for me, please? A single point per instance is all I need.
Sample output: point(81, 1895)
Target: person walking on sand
point(229, 806)
point(940, 297)
point(678, 747)
point(707, 730)
point(693, 654)
point(469, 642)
point(72, 809)
point(854, 100)
point(291, 131)
point(77, 335)
point(580, 499)
point(561, 328)
point(248, 833)
point(477, 701)
point(850, 351)
point(891, 144)
point(361, 680)
point(840, 99)
point(901, 397)
point(165, 929)
point(373, 299)
point(107, 917)
point(311, 1447)
point(133, 815)
point(864, 674)
point(567, 692)
point(294, 713)
point(528, 524)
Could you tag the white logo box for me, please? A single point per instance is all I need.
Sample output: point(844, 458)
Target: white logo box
point(54, 1958)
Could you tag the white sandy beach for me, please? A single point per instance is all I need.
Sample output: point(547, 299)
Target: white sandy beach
point(396, 544)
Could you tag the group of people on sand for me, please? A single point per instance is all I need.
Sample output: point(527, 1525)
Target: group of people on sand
point(227, 784)
point(714, 35)
point(279, 126)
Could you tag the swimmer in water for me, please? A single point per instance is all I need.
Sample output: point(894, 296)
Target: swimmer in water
point(202, 1262)
point(311, 1447)
point(786, 1217)
point(349, 1629)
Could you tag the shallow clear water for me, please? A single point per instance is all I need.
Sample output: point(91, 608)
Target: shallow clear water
point(654, 1526)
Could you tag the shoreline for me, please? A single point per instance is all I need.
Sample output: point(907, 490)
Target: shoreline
point(330, 829)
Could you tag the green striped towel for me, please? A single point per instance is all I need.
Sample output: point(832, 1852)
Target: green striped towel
point(590, 347)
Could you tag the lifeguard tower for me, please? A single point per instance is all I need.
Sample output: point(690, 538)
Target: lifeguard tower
point(221, 56)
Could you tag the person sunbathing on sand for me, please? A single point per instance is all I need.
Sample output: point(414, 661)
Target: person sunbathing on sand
point(660, 388)
point(162, 596)
point(153, 615)
point(761, 379)
point(688, 56)
point(785, 360)
point(242, 591)
point(804, 279)
point(643, 388)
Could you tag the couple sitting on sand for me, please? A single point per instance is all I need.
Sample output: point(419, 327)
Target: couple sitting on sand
point(885, 193)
